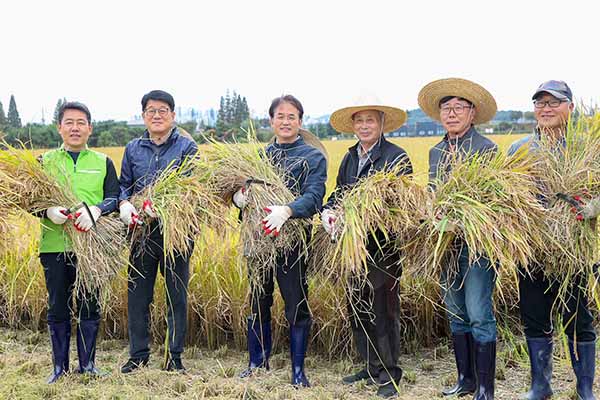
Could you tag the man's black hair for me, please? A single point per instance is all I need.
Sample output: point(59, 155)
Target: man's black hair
point(74, 105)
point(158, 95)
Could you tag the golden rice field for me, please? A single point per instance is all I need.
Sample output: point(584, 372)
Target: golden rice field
point(216, 334)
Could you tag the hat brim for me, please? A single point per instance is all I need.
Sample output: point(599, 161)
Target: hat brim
point(341, 120)
point(554, 93)
point(433, 92)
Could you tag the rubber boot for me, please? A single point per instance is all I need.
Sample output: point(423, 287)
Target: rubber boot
point(299, 335)
point(540, 358)
point(259, 345)
point(463, 354)
point(60, 338)
point(584, 366)
point(87, 333)
point(485, 369)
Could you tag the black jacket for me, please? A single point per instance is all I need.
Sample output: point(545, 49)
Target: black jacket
point(383, 155)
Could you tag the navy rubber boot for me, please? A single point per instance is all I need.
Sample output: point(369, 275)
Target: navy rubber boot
point(259, 345)
point(463, 354)
point(60, 338)
point(584, 366)
point(485, 368)
point(540, 358)
point(87, 333)
point(299, 335)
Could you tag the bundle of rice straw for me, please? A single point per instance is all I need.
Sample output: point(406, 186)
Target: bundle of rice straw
point(233, 166)
point(26, 186)
point(571, 168)
point(492, 201)
point(384, 206)
point(183, 203)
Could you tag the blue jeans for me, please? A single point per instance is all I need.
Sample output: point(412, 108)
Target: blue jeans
point(468, 297)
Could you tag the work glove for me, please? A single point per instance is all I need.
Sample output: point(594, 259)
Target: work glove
point(85, 221)
point(129, 214)
point(58, 215)
point(275, 219)
point(591, 209)
point(328, 220)
point(148, 209)
point(240, 198)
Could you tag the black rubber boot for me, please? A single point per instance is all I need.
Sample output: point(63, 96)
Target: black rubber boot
point(175, 365)
point(584, 366)
point(540, 357)
point(134, 363)
point(60, 338)
point(463, 355)
point(389, 386)
point(259, 345)
point(87, 333)
point(485, 368)
point(299, 335)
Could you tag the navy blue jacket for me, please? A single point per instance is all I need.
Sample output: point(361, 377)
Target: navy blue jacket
point(144, 161)
point(305, 169)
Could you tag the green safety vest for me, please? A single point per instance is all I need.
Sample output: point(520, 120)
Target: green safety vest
point(84, 178)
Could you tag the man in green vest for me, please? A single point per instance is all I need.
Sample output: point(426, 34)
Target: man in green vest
point(93, 179)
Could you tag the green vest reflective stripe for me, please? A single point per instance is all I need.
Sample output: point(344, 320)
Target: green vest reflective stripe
point(84, 178)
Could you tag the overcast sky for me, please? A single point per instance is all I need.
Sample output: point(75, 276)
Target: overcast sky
point(107, 54)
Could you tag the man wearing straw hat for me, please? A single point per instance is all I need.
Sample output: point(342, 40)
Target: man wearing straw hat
point(302, 157)
point(161, 146)
point(94, 180)
point(374, 308)
point(459, 105)
point(553, 104)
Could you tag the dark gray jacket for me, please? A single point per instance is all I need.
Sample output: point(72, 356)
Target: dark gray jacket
point(440, 155)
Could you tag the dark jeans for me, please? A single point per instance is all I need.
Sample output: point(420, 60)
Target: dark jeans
point(146, 259)
point(468, 297)
point(291, 279)
point(60, 271)
point(374, 311)
point(537, 299)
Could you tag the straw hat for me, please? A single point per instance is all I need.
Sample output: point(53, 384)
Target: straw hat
point(341, 120)
point(311, 140)
point(433, 92)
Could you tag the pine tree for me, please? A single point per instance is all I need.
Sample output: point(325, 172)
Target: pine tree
point(14, 121)
point(59, 104)
point(3, 120)
point(221, 123)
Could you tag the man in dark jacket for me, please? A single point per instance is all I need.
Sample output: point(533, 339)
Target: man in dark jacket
point(305, 167)
point(93, 179)
point(553, 104)
point(374, 308)
point(459, 105)
point(161, 146)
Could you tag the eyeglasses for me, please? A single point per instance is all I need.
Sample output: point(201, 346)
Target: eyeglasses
point(458, 109)
point(151, 112)
point(282, 117)
point(554, 103)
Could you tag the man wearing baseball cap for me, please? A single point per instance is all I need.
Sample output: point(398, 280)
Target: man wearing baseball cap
point(553, 104)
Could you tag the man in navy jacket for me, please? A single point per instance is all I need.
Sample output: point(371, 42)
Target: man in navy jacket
point(161, 146)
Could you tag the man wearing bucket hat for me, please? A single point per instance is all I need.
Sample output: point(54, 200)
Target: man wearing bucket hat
point(459, 105)
point(374, 309)
point(303, 158)
point(553, 104)
point(161, 146)
point(93, 178)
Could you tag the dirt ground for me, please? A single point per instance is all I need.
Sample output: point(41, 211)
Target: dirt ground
point(25, 362)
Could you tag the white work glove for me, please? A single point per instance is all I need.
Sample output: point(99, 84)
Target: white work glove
point(58, 215)
point(275, 219)
point(84, 221)
point(591, 209)
point(129, 214)
point(240, 198)
point(148, 209)
point(328, 220)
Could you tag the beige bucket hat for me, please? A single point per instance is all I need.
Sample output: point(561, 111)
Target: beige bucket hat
point(433, 92)
point(341, 120)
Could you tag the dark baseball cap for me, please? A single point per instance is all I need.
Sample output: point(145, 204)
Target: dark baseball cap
point(558, 89)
